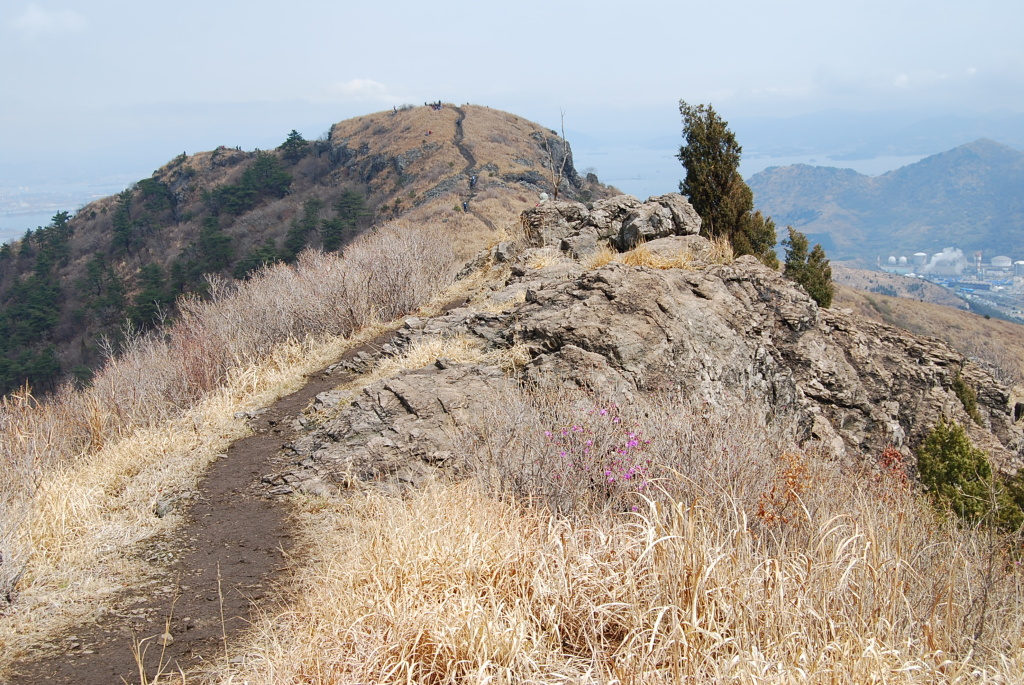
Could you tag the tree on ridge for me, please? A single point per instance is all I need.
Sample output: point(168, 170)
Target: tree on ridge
point(715, 188)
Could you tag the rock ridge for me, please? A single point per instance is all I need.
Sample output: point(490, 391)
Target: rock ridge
point(723, 333)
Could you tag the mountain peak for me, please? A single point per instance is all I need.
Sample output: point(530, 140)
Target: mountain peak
point(227, 212)
point(967, 197)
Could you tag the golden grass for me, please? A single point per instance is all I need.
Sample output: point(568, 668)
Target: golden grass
point(544, 257)
point(467, 584)
point(83, 470)
point(604, 255)
point(721, 251)
point(85, 512)
point(643, 255)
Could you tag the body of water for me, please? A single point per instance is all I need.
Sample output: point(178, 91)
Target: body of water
point(13, 226)
point(23, 208)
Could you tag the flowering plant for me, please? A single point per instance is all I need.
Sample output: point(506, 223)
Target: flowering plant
point(601, 452)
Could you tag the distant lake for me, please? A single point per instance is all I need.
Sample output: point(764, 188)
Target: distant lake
point(13, 226)
point(20, 206)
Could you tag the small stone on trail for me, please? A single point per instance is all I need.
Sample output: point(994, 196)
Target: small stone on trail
point(165, 640)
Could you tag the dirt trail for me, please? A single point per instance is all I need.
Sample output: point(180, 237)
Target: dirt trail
point(470, 165)
point(229, 556)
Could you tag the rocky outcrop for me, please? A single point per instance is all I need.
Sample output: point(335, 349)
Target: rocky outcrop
point(395, 433)
point(724, 333)
point(621, 222)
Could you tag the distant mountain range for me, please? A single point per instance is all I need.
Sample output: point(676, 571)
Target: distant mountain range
point(969, 197)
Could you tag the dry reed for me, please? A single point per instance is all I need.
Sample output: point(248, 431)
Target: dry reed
point(59, 479)
point(691, 580)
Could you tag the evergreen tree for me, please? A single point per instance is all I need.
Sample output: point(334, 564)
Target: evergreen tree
point(122, 233)
point(294, 147)
point(257, 257)
point(715, 188)
point(298, 234)
point(264, 178)
point(810, 270)
point(350, 210)
point(213, 247)
point(152, 300)
point(27, 322)
point(957, 474)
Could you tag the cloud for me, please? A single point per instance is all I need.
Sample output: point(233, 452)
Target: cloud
point(363, 90)
point(35, 22)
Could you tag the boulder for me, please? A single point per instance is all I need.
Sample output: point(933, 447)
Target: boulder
point(551, 221)
point(659, 217)
point(698, 248)
point(606, 216)
point(685, 219)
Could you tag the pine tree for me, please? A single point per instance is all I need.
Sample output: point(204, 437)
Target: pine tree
point(957, 474)
point(810, 270)
point(294, 147)
point(715, 188)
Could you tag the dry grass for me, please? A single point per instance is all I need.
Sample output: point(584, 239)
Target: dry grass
point(695, 581)
point(643, 255)
point(544, 257)
point(604, 255)
point(81, 470)
point(721, 251)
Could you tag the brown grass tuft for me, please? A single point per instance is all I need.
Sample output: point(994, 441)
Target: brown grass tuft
point(495, 579)
point(81, 470)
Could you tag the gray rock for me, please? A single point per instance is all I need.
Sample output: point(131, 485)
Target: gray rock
point(646, 222)
point(698, 248)
point(551, 221)
point(720, 333)
point(582, 244)
point(685, 219)
point(607, 215)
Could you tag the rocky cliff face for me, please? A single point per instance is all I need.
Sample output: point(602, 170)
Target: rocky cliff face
point(725, 333)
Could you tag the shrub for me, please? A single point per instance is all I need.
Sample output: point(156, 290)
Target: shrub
point(968, 398)
point(956, 474)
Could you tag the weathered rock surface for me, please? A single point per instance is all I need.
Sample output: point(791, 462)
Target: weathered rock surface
point(722, 333)
point(621, 222)
point(394, 434)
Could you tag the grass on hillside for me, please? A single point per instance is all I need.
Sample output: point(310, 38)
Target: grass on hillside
point(600, 540)
point(728, 554)
point(83, 469)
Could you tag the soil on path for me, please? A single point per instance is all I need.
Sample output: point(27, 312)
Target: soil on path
point(470, 165)
point(230, 556)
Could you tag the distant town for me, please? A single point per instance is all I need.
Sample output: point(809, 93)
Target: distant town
point(993, 286)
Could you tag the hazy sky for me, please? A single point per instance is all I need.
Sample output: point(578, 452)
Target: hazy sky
point(94, 87)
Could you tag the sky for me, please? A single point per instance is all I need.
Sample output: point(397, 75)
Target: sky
point(101, 91)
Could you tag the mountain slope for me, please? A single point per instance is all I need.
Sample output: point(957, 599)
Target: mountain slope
point(225, 212)
point(967, 197)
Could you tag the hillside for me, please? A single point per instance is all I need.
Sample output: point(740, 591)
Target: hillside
point(67, 290)
point(967, 197)
point(568, 441)
point(895, 285)
point(599, 449)
point(998, 344)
